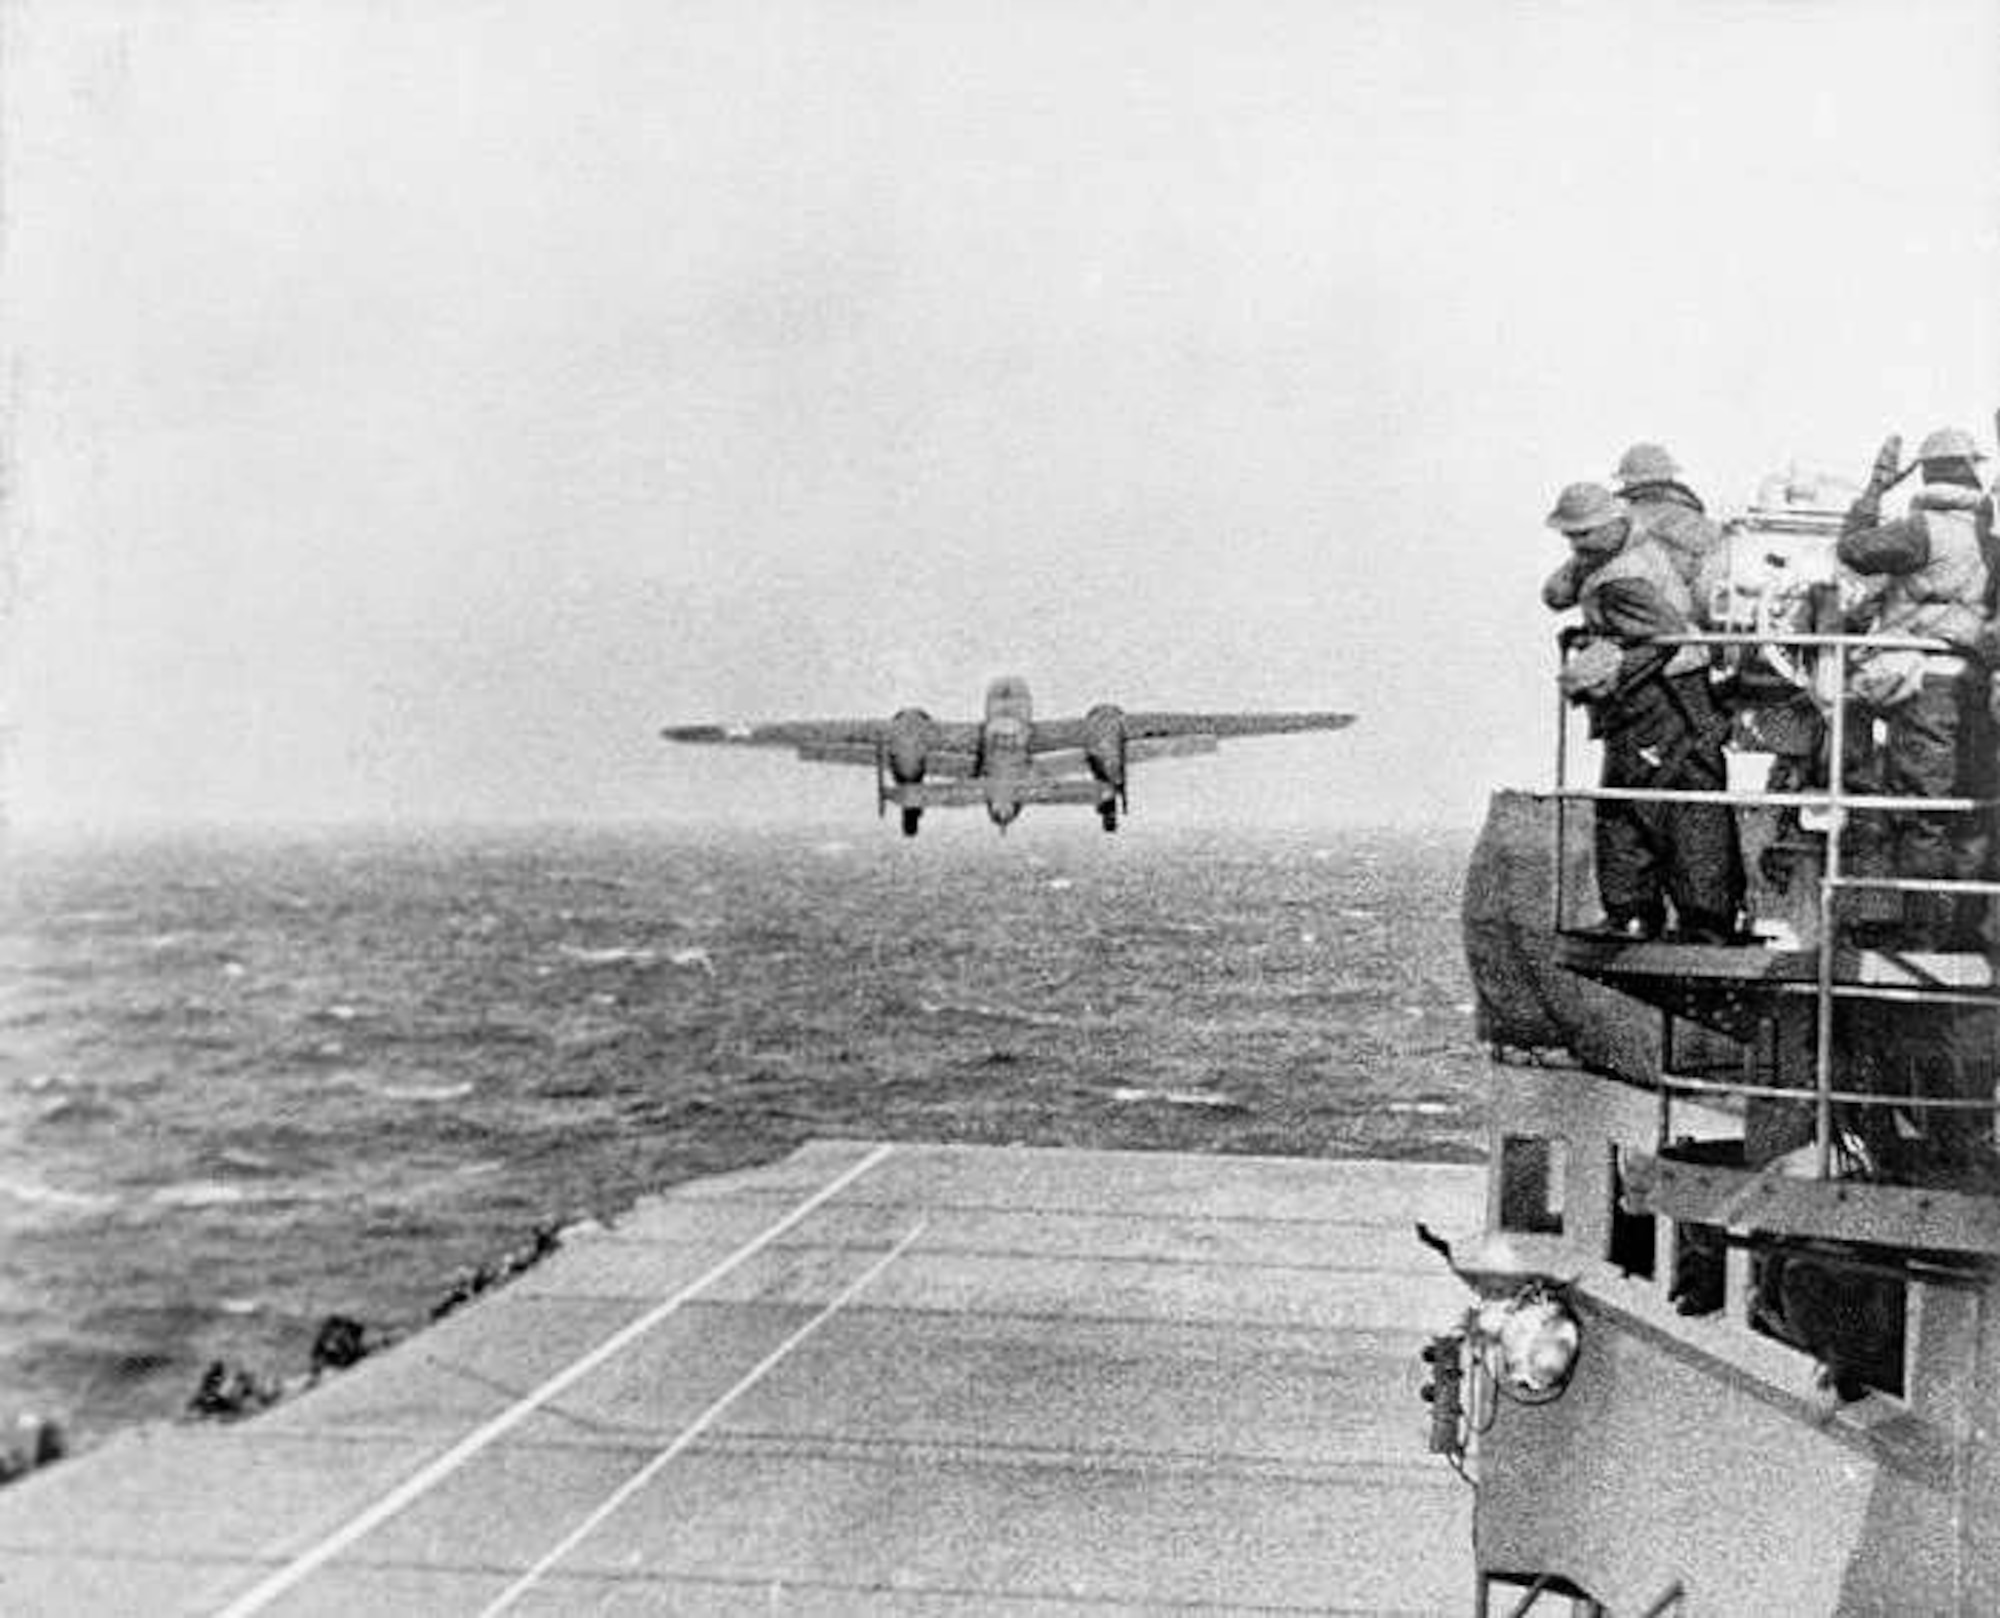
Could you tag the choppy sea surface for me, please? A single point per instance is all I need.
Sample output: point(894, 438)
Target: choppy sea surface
point(251, 1080)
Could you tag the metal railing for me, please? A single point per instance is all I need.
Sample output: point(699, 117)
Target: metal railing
point(1826, 658)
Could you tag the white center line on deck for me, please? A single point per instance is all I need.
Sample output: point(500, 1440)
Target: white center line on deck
point(261, 1595)
point(694, 1430)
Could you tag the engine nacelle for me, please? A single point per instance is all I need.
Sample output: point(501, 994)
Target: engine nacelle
point(912, 736)
point(1104, 745)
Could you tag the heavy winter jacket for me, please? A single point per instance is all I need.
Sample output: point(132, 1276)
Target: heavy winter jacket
point(1672, 515)
point(1936, 566)
point(1638, 594)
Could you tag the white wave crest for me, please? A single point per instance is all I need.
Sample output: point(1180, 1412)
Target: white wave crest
point(34, 1194)
point(615, 955)
point(198, 1194)
point(1176, 1098)
point(423, 1092)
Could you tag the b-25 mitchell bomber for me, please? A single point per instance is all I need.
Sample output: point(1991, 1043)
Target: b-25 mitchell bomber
point(1009, 759)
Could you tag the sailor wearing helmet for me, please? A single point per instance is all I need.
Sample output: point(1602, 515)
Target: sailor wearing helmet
point(1937, 743)
point(1657, 717)
point(1663, 507)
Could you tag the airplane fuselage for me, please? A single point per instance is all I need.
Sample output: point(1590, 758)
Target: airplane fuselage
point(1004, 758)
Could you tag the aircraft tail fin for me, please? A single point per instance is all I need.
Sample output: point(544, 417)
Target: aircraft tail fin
point(1057, 790)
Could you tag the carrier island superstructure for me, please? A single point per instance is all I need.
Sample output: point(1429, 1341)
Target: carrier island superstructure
point(1734, 1338)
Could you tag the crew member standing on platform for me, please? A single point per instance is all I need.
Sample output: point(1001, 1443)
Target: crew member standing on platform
point(1988, 522)
point(1652, 708)
point(1664, 508)
point(1938, 737)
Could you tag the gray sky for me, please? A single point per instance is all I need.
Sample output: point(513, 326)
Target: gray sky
point(415, 405)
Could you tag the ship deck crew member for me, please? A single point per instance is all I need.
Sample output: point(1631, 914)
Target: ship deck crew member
point(1653, 709)
point(1664, 508)
point(1988, 520)
point(1937, 734)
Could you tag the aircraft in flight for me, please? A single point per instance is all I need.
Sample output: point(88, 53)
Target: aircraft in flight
point(1009, 759)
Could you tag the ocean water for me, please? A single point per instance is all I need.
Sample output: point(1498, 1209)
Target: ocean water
point(249, 1081)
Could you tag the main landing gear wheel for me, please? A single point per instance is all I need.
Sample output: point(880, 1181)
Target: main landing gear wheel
point(1108, 814)
point(911, 819)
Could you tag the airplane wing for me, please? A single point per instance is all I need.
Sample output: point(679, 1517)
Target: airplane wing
point(834, 752)
point(1222, 725)
point(1053, 764)
point(1185, 745)
point(1056, 762)
point(793, 733)
point(836, 741)
point(1063, 744)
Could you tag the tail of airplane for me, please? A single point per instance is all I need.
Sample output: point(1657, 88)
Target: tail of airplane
point(952, 794)
point(945, 794)
point(1052, 789)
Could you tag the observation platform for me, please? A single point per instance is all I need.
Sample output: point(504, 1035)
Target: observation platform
point(1757, 963)
point(1729, 987)
point(868, 1378)
point(1940, 1197)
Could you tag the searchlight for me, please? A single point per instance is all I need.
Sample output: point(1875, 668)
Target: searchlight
point(1531, 1341)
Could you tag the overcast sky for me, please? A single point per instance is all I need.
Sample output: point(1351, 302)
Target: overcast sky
point(416, 405)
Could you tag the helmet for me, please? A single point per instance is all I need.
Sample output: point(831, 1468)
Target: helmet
point(1949, 444)
point(1584, 506)
point(1645, 463)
